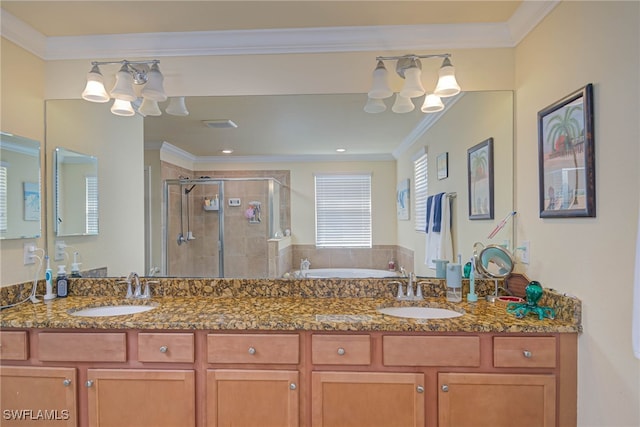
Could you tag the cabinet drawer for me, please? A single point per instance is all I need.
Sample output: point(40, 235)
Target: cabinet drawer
point(161, 347)
point(430, 351)
point(13, 345)
point(341, 349)
point(253, 348)
point(82, 347)
point(524, 352)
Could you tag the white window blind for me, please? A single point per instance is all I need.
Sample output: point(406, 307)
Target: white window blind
point(421, 183)
point(343, 210)
point(91, 185)
point(3, 199)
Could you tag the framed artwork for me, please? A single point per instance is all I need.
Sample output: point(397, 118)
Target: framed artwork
point(566, 157)
point(31, 201)
point(480, 179)
point(402, 200)
point(442, 162)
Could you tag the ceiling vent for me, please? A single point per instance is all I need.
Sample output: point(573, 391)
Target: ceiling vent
point(220, 124)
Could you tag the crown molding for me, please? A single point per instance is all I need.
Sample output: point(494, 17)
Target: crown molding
point(280, 41)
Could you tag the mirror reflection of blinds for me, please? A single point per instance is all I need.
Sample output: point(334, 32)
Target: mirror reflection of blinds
point(91, 185)
point(3, 199)
point(421, 191)
point(343, 210)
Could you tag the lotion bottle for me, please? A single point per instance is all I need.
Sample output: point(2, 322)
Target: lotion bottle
point(61, 282)
point(48, 278)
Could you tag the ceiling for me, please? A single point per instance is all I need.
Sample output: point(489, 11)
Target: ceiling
point(278, 125)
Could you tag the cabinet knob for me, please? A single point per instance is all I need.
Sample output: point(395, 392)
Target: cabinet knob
point(527, 354)
point(293, 386)
point(89, 383)
point(444, 388)
point(66, 382)
point(252, 350)
point(164, 349)
point(420, 389)
point(341, 351)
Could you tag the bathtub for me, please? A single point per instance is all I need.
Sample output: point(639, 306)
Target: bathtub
point(345, 273)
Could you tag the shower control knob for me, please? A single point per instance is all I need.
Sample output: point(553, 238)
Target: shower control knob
point(252, 351)
point(341, 351)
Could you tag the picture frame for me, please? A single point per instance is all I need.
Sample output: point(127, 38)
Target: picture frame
point(31, 192)
point(480, 180)
point(566, 157)
point(442, 163)
point(402, 200)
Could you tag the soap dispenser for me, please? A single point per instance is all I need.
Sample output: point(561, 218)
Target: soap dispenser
point(454, 282)
point(61, 282)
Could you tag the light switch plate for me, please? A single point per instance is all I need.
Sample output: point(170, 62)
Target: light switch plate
point(234, 202)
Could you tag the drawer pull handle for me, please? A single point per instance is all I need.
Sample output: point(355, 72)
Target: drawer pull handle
point(527, 354)
point(293, 386)
point(341, 351)
point(444, 388)
point(252, 351)
point(66, 382)
point(420, 389)
point(164, 349)
point(89, 383)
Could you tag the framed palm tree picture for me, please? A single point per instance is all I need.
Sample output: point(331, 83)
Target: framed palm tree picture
point(566, 157)
point(480, 178)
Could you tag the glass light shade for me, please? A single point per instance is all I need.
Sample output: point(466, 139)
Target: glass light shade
point(177, 107)
point(432, 104)
point(149, 107)
point(412, 85)
point(153, 89)
point(402, 104)
point(375, 106)
point(123, 88)
point(380, 87)
point(94, 91)
point(121, 107)
point(447, 84)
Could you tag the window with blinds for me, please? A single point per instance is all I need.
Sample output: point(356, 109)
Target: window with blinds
point(91, 186)
point(421, 191)
point(343, 210)
point(3, 199)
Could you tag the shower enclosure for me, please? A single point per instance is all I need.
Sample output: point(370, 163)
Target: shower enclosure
point(221, 227)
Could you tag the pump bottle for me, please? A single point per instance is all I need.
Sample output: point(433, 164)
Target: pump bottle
point(61, 282)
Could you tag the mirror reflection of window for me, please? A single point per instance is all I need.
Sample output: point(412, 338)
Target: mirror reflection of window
point(76, 193)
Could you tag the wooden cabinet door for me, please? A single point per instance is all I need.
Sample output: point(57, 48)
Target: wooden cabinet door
point(35, 396)
point(141, 398)
point(496, 400)
point(356, 399)
point(252, 398)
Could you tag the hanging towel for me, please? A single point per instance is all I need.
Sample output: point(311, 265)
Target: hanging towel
point(635, 323)
point(437, 211)
point(439, 244)
point(429, 216)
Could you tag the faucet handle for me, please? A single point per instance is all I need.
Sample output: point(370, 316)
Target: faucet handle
point(129, 291)
point(147, 291)
point(400, 293)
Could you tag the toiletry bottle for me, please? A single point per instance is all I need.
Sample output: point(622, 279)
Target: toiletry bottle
point(61, 282)
point(48, 278)
point(454, 282)
point(75, 266)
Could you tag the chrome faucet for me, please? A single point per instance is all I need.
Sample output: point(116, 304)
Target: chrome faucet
point(410, 295)
point(137, 292)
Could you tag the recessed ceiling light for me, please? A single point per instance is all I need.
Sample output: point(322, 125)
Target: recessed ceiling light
point(227, 151)
point(341, 150)
point(220, 124)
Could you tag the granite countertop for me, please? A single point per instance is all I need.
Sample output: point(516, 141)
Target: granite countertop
point(279, 313)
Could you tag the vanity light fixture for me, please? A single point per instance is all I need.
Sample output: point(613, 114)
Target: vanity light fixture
point(409, 68)
point(128, 100)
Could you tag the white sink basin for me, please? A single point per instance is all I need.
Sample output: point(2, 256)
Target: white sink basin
point(112, 310)
point(420, 312)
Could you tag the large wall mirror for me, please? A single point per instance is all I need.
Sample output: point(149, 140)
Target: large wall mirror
point(75, 193)
point(470, 120)
point(20, 190)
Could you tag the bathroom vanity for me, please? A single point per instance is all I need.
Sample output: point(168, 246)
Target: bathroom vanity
point(306, 355)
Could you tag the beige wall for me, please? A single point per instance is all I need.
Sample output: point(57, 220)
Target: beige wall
point(474, 118)
point(22, 113)
point(593, 258)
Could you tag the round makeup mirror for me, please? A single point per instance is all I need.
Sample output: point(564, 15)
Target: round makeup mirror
point(492, 260)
